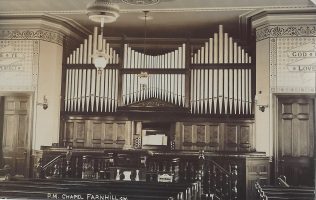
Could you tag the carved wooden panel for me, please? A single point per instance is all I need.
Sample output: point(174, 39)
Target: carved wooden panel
point(108, 134)
point(69, 132)
point(201, 135)
point(80, 134)
point(213, 134)
point(245, 137)
point(187, 140)
point(231, 137)
point(120, 134)
point(216, 136)
point(95, 133)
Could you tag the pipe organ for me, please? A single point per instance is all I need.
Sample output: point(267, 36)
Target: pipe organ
point(215, 87)
point(87, 89)
point(168, 87)
point(216, 79)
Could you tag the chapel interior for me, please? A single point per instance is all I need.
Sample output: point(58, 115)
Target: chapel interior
point(157, 99)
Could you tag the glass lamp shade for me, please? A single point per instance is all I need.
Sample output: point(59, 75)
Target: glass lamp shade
point(100, 62)
point(143, 80)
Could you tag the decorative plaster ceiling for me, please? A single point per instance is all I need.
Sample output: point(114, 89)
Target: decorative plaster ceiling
point(171, 18)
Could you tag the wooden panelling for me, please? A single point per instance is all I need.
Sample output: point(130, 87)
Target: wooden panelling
point(295, 139)
point(15, 145)
point(120, 134)
point(215, 136)
point(95, 133)
point(108, 133)
point(231, 137)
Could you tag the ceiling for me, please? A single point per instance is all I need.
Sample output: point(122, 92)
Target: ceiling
point(171, 18)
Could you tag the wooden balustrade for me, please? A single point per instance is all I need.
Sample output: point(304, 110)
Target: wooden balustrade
point(220, 182)
point(213, 179)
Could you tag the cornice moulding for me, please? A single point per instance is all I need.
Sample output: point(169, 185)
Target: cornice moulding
point(60, 25)
point(265, 18)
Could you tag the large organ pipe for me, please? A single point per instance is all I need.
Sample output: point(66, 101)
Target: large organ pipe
point(220, 89)
point(85, 51)
point(206, 88)
point(81, 54)
point(97, 90)
point(77, 55)
point(206, 55)
point(239, 90)
point(67, 97)
point(220, 44)
point(83, 92)
point(94, 41)
point(211, 50)
point(74, 57)
point(235, 90)
point(79, 96)
point(72, 90)
point(215, 51)
point(88, 89)
point(210, 91)
point(89, 49)
point(102, 96)
point(70, 59)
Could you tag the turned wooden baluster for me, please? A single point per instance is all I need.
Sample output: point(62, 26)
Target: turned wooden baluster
point(209, 179)
point(68, 169)
point(77, 167)
point(56, 173)
point(192, 171)
point(68, 165)
point(214, 179)
point(234, 175)
point(220, 182)
point(39, 169)
point(84, 167)
point(185, 170)
point(92, 172)
point(226, 187)
point(164, 166)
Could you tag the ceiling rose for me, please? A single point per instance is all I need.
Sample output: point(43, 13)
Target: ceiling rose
point(103, 11)
point(141, 2)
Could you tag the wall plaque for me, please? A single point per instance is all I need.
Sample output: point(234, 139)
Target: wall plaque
point(18, 65)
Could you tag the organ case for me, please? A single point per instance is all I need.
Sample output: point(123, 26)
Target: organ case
point(210, 80)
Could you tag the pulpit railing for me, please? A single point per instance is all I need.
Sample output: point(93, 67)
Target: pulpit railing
point(53, 168)
point(213, 180)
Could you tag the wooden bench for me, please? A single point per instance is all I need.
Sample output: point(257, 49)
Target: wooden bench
point(282, 193)
point(131, 190)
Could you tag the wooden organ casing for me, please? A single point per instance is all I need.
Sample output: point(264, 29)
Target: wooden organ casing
point(204, 89)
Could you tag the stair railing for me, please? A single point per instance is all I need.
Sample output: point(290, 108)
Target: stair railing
point(219, 183)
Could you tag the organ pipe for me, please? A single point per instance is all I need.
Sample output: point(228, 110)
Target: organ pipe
point(220, 90)
point(214, 89)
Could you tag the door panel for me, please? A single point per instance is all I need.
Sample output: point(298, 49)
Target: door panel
point(15, 133)
point(296, 139)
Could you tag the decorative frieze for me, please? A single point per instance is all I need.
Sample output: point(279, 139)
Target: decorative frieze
point(32, 34)
point(274, 31)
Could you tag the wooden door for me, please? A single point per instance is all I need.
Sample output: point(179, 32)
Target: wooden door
point(15, 134)
point(296, 130)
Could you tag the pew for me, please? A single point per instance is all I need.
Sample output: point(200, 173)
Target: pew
point(282, 193)
point(42, 189)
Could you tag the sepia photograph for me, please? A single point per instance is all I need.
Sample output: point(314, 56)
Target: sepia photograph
point(158, 99)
